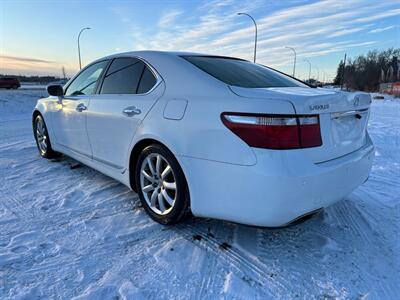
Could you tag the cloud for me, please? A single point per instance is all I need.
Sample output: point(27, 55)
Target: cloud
point(347, 31)
point(169, 17)
point(10, 64)
point(17, 59)
point(314, 29)
point(382, 29)
point(385, 14)
point(206, 22)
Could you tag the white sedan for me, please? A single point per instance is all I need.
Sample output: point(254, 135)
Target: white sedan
point(217, 136)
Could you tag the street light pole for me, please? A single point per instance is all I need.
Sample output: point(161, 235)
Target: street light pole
point(309, 69)
point(79, 47)
point(255, 38)
point(294, 64)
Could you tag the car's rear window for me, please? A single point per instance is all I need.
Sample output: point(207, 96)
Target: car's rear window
point(242, 73)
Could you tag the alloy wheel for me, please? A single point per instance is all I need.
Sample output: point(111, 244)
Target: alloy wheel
point(41, 135)
point(158, 184)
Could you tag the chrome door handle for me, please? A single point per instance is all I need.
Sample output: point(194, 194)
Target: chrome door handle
point(131, 111)
point(80, 107)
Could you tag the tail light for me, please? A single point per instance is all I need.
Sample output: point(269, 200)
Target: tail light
point(275, 131)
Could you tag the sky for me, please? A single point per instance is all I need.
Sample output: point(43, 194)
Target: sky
point(40, 37)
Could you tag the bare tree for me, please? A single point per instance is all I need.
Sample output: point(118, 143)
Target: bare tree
point(365, 72)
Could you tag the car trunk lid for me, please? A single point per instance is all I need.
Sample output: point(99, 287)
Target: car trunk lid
point(343, 116)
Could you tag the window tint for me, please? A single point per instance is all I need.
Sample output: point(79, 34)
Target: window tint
point(146, 82)
point(242, 73)
point(85, 83)
point(123, 76)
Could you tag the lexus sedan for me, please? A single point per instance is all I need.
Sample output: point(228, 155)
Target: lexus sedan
point(219, 137)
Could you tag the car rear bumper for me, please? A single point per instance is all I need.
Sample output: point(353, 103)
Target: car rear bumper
point(281, 187)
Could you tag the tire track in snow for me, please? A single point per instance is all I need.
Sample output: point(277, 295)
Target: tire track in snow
point(14, 204)
point(117, 268)
point(247, 268)
point(214, 276)
point(140, 241)
point(86, 264)
point(12, 145)
point(258, 271)
point(104, 248)
point(294, 266)
point(34, 218)
point(348, 215)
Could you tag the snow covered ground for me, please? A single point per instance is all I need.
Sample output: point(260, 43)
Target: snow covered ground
point(67, 231)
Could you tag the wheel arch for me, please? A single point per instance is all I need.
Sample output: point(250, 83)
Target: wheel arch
point(36, 113)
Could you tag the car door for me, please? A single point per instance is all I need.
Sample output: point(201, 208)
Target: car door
point(69, 120)
point(129, 89)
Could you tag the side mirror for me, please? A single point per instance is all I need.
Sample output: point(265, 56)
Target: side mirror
point(55, 90)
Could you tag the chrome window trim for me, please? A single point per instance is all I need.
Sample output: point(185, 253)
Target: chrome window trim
point(158, 77)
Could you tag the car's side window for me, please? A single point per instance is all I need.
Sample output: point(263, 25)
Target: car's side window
point(85, 83)
point(147, 81)
point(127, 76)
point(123, 76)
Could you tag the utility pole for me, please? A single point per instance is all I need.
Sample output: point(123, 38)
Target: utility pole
point(294, 64)
point(79, 47)
point(64, 75)
point(255, 37)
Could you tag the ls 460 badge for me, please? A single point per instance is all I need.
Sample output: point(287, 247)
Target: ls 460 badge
point(319, 106)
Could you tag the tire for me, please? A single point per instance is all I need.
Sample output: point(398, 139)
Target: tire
point(162, 188)
point(42, 138)
point(14, 87)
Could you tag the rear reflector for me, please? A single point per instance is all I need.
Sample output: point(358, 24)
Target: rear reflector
point(275, 131)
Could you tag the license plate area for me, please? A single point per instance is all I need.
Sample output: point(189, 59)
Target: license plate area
point(348, 127)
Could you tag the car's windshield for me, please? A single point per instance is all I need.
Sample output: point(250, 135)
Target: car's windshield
point(242, 73)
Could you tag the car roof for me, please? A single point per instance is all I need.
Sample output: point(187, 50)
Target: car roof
point(159, 53)
point(179, 75)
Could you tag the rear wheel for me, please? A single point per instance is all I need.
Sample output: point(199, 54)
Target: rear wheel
point(161, 185)
point(42, 138)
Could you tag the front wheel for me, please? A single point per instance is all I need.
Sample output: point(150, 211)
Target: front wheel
point(161, 185)
point(42, 138)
